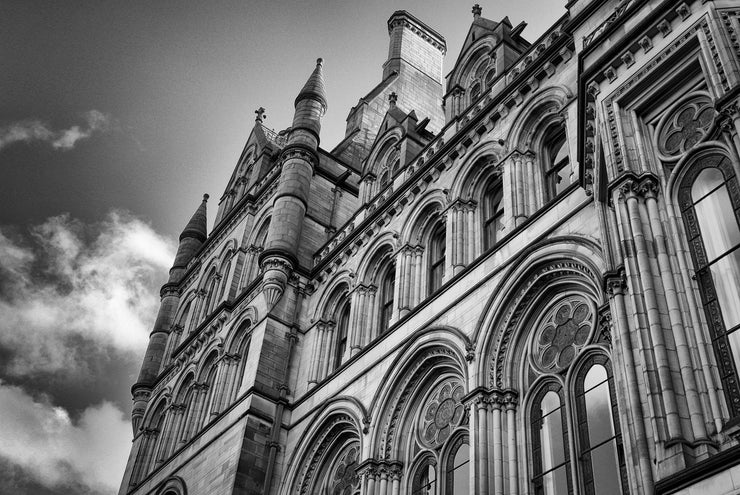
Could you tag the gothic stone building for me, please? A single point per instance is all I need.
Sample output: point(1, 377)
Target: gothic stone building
point(521, 277)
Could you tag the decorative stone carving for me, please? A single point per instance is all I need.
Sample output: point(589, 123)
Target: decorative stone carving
point(563, 331)
point(345, 479)
point(685, 125)
point(442, 413)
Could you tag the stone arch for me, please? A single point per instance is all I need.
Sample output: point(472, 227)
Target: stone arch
point(173, 485)
point(340, 284)
point(337, 425)
point(235, 335)
point(380, 149)
point(692, 156)
point(375, 257)
point(428, 207)
point(434, 355)
point(571, 263)
point(470, 176)
point(542, 110)
point(482, 47)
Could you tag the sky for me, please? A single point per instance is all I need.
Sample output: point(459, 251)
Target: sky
point(115, 118)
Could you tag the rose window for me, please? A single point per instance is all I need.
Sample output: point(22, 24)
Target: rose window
point(563, 331)
point(686, 126)
point(346, 480)
point(442, 412)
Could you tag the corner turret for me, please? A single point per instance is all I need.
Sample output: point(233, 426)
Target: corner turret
point(299, 157)
point(191, 239)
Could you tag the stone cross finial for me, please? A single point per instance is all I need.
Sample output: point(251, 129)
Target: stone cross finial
point(260, 115)
point(477, 10)
point(393, 98)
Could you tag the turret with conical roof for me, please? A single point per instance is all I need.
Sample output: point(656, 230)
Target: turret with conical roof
point(298, 159)
point(191, 239)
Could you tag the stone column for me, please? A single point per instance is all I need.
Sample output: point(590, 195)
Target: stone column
point(520, 214)
point(533, 179)
point(357, 340)
point(405, 294)
point(371, 313)
point(473, 233)
point(317, 354)
point(496, 402)
point(636, 211)
point(510, 403)
point(327, 364)
point(396, 474)
point(383, 485)
point(481, 435)
point(416, 293)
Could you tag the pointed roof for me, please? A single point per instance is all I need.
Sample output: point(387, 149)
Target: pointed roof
point(197, 227)
point(314, 87)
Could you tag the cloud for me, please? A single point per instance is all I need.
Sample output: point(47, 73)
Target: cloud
point(89, 454)
point(77, 302)
point(27, 131)
point(72, 282)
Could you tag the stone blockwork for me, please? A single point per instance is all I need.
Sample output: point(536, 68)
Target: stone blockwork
point(523, 281)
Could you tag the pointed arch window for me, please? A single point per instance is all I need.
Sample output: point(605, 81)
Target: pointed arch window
point(558, 172)
point(210, 288)
point(386, 298)
point(549, 430)
point(425, 478)
point(458, 468)
point(709, 200)
point(342, 335)
point(600, 440)
point(493, 213)
point(437, 251)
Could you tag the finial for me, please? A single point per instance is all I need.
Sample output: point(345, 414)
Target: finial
point(477, 10)
point(393, 98)
point(319, 61)
point(205, 197)
point(260, 115)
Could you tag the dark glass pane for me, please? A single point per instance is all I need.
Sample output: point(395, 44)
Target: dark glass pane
point(562, 176)
point(707, 180)
point(726, 275)
point(556, 482)
point(717, 223)
point(606, 470)
point(598, 411)
point(551, 438)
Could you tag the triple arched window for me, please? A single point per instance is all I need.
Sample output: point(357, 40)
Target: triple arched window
point(709, 199)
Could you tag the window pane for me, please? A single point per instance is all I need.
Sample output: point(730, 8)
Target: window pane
point(595, 376)
point(726, 275)
point(550, 402)
point(551, 436)
point(734, 339)
point(717, 223)
point(707, 180)
point(606, 470)
point(598, 412)
point(555, 482)
point(461, 479)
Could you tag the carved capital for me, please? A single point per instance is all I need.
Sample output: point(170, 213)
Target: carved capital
point(615, 283)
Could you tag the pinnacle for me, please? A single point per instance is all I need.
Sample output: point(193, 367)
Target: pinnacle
point(314, 87)
point(198, 225)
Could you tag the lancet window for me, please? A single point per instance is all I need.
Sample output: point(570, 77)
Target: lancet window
point(386, 298)
point(493, 213)
point(558, 171)
point(709, 199)
point(437, 251)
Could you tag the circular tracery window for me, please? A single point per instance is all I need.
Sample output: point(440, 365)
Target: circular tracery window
point(562, 332)
point(346, 480)
point(685, 126)
point(442, 412)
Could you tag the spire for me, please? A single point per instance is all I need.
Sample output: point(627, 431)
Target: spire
point(314, 87)
point(197, 227)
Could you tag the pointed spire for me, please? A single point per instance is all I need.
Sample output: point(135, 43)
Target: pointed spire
point(197, 227)
point(314, 87)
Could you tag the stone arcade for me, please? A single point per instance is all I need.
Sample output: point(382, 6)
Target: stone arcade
point(519, 278)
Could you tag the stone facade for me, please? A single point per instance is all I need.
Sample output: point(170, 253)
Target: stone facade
point(523, 279)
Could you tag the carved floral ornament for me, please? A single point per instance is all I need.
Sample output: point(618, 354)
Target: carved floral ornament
point(345, 480)
point(685, 125)
point(441, 413)
point(563, 331)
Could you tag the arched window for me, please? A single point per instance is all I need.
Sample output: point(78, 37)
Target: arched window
point(210, 288)
point(437, 249)
point(493, 213)
point(384, 178)
point(261, 237)
point(600, 439)
point(342, 334)
point(549, 430)
point(151, 440)
point(710, 206)
point(225, 269)
point(425, 479)
point(239, 360)
point(458, 468)
point(386, 298)
point(475, 91)
point(210, 401)
point(557, 163)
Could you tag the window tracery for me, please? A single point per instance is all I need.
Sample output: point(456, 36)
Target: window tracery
point(563, 331)
point(685, 125)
